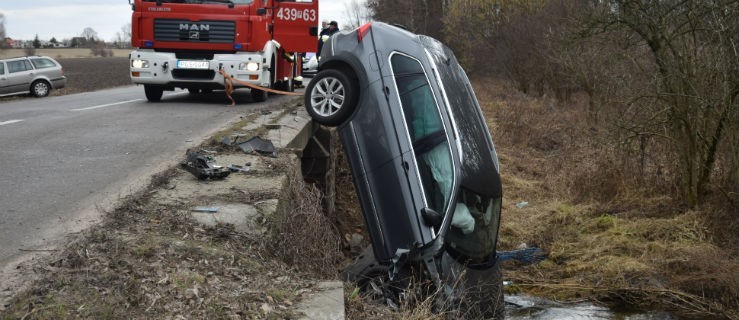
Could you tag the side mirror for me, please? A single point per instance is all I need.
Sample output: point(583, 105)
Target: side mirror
point(313, 31)
point(261, 11)
point(431, 217)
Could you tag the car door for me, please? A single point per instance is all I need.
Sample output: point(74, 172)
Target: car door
point(3, 79)
point(20, 74)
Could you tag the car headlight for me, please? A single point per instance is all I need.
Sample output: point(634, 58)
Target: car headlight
point(138, 63)
point(249, 66)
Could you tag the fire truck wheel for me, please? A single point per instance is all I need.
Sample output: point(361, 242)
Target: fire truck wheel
point(153, 93)
point(331, 97)
point(258, 95)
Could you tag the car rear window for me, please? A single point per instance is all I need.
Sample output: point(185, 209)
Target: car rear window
point(41, 63)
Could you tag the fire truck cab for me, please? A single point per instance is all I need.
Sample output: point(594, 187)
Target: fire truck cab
point(186, 43)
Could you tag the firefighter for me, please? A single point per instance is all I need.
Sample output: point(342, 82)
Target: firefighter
point(333, 27)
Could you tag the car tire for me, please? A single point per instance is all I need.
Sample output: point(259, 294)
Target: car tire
point(40, 88)
point(331, 97)
point(370, 277)
point(153, 93)
point(489, 297)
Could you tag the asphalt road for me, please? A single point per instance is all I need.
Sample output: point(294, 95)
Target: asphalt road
point(66, 159)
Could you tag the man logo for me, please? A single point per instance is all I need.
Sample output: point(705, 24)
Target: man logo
point(194, 27)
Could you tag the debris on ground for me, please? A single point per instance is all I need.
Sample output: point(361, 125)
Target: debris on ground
point(238, 168)
point(525, 256)
point(203, 166)
point(258, 145)
point(206, 209)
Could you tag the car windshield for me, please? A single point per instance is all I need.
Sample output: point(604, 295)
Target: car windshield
point(426, 131)
point(474, 226)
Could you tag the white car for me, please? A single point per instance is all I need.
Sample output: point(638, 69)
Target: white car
point(310, 64)
point(35, 75)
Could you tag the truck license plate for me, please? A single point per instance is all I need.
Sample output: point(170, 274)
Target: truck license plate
point(189, 64)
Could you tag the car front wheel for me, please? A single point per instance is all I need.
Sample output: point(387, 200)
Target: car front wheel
point(330, 97)
point(40, 88)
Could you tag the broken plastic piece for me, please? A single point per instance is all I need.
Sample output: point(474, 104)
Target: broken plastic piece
point(259, 145)
point(206, 209)
point(522, 204)
point(526, 256)
point(204, 167)
point(238, 168)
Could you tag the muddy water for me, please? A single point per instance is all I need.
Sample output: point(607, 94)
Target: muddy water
point(521, 307)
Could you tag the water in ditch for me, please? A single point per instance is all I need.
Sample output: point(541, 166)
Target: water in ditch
point(522, 307)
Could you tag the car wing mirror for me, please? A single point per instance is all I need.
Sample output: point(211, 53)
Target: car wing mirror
point(431, 217)
point(261, 11)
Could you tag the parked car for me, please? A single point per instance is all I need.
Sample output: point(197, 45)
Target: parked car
point(310, 64)
point(423, 163)
point(36, 75)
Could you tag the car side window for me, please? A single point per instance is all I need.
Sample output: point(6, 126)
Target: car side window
point(2, 68)
point(40, 63)
point(18, 66)
point(426, 131)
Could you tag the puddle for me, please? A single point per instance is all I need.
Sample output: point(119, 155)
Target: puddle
point(522, 307)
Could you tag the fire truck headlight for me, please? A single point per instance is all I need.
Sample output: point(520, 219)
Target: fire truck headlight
point(138, 63)
point(249, 66)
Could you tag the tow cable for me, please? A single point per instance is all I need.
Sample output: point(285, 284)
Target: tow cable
point(228, 81)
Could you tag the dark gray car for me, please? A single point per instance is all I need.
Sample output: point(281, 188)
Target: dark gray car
point(36, 75)
point(424, 165)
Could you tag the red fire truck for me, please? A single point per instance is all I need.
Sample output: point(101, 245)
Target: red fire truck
point(190, 44)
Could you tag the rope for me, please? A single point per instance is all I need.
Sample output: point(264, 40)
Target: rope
point(228, 81)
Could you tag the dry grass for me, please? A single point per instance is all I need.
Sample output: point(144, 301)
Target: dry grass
point(613, 230)
point(302, 234)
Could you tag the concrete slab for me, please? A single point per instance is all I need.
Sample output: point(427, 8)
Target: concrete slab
point(245, 218)
point(326, 303)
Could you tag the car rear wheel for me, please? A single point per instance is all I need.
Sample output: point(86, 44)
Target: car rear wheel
point(40, 88)
point(153, 93)
point(330, 97)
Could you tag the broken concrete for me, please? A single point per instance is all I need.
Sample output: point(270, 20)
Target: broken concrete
point(326, 303)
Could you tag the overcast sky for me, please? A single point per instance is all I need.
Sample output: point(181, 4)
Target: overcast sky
point(68, 18)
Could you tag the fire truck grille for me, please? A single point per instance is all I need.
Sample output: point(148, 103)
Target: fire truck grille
point(188, 74)
point(179, 30)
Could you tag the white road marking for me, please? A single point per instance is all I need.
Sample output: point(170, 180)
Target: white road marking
point(106, 105)
point(9, 122)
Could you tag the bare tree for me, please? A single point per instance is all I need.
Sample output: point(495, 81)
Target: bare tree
point(123, 38)
point(3, 44)
point(693, 100)
point(420, 16)
point(357, 13)
point(89, 34)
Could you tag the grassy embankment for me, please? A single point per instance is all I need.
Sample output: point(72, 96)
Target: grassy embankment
point(608, 239)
